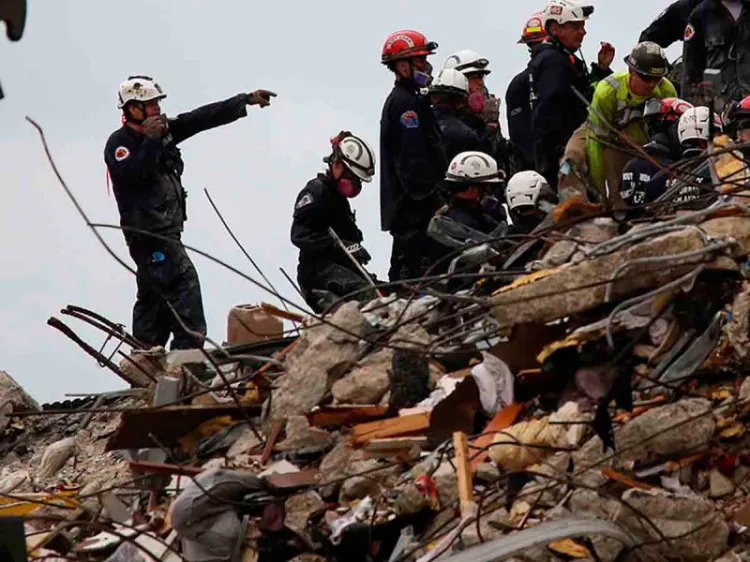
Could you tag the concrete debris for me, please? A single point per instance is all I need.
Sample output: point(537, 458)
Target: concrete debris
point(13, 398)
point(696, 530)
point(322, 356)
point(368, 477)
point(299, 508)
point(299, 435)
point(720, 485)
point(145, 366)
point(333, 466)
point(368, 382)
point(568, 422)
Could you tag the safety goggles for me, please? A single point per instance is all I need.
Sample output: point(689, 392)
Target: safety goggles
point(649, 79)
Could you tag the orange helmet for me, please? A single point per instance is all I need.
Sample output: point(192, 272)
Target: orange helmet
point(406, 44)
point(533, 31)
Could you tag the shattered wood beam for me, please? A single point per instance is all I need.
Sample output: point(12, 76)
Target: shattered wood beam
point(271, 442)
point(393, 427)
point(337, 416)
point(550, 295)
point(285, 314)
point(465, 488)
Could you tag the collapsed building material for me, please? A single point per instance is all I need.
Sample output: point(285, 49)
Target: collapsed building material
point(549, 295)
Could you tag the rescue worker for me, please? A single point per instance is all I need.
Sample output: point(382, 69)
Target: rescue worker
point(146, 168)
point(448, 95)
point(518, 101)
point(530, 199)
point(661, 118)
point(669, 26)
point(472, 214)
point(718, 37)
point(737, 120)
point(678, 182)
point(325, 272)
point(619, 102)
point(555, 72)
point(412, 161)
point(482, 112)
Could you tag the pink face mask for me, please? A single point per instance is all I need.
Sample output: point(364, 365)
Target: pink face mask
point(348, 188)
point(476, 102)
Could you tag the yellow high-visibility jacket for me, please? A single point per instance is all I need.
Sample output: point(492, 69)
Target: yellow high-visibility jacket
point(622, 109)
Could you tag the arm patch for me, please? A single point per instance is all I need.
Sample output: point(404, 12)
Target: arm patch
point(121, 153)
point(409, 119)
point(689, 32)
point(304, 201)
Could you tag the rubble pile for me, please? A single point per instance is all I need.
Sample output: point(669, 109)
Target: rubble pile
point(594, 407)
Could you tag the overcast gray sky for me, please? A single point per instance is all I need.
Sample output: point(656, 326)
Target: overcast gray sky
point(322, 58)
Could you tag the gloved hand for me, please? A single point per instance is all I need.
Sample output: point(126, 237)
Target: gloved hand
point(358, 252)
point(491, 111)
point(155, 127)
point(606, 55)
point(260, 97)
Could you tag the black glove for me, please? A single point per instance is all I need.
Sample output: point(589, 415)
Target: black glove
point(260, 97)
point(155, 127)
point(358, 252)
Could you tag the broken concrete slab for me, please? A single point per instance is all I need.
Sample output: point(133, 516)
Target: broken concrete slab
point(368, 478)
point(13, 398)
point(145, 366)
point(299, 435)
point(699, 531)
point(719, 484)
point(368, 382)
point(682, 427)
point(552, 294)
point(299, 508)
point(321, 358)
point(246, 442)
point(333, 466)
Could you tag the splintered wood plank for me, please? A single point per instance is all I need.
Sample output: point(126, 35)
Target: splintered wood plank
point(279, 313)
point(336, 416)
point(465, 489)
point(502, 421)
point(392, 427)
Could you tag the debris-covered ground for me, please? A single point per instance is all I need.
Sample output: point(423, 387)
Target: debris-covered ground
point(593, 407)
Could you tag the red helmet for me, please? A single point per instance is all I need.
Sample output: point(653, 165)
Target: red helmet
point(739, 110)
point(534, 31)
point(406, 44)
point(667, 109)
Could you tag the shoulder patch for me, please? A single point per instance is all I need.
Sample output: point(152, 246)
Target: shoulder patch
point(689, 32)
point(304, 201)
point(409, 119)
point(121, 153)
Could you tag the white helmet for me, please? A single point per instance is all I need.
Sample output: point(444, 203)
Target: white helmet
point(450, 81)
point(139, 88)
point(356, 155)
point(473, 167)
point(524, 189)
point(694, 124)
point(468, 62)
point(564, 11)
